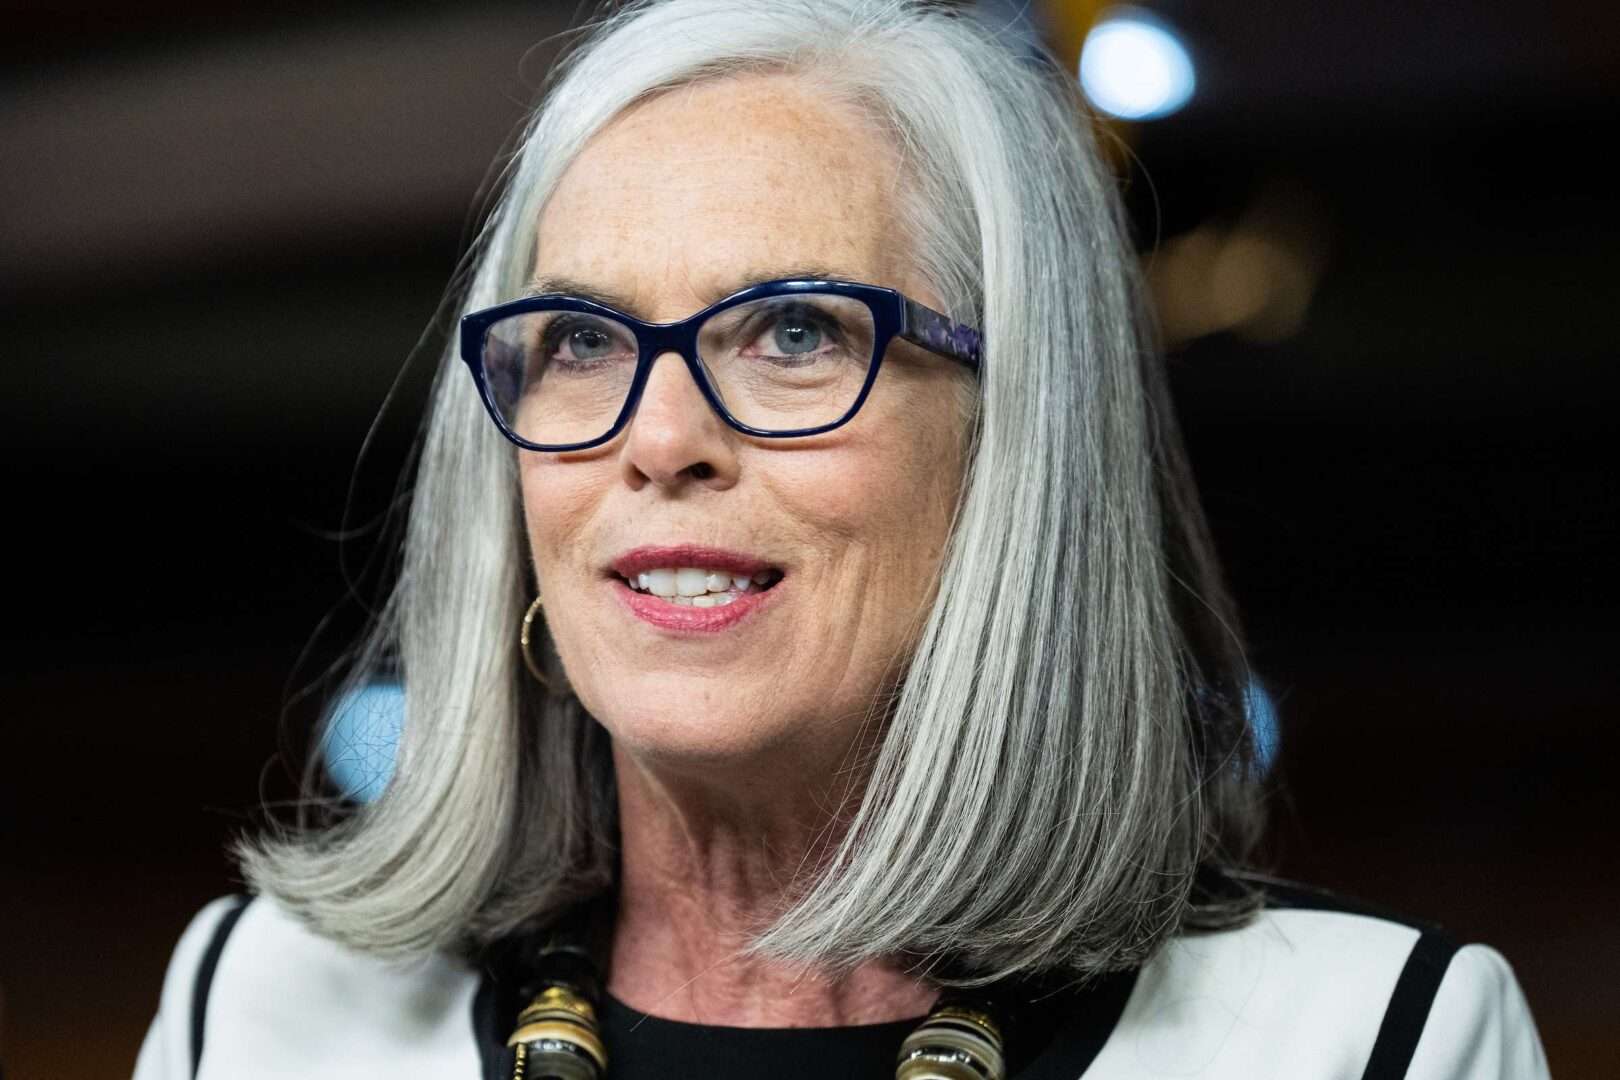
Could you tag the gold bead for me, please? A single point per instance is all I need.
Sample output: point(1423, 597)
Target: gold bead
point(956, 1042)
point(557, 1036)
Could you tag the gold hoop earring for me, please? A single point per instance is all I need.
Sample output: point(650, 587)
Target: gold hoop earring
point(523, 644)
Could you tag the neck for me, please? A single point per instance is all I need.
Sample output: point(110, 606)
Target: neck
point(702, 871)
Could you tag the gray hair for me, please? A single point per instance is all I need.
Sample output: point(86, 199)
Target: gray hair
point(1067, 750)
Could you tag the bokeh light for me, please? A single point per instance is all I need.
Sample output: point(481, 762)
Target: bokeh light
point(360, 739)
point(1134, 66)
point(1262, 714)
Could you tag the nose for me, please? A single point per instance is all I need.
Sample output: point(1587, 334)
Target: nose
point(675, 438)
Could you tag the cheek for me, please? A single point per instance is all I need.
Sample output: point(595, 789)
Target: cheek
point(558, 502)
point(882, 508)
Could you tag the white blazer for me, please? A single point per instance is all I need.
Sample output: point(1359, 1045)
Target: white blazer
point(1301, 993)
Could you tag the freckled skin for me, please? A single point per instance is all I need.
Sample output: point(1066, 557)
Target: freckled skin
point(670, 204)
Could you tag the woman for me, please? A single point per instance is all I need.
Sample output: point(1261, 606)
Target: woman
point(815, 660)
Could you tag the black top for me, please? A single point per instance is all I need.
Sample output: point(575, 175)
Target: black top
point(645, 1046)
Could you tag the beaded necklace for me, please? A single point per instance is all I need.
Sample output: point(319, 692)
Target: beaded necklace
point(557, 1036)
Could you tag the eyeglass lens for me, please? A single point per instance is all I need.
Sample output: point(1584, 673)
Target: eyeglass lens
point(780, 363)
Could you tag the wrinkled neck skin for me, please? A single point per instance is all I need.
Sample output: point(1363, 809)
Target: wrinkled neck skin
point(705, 863)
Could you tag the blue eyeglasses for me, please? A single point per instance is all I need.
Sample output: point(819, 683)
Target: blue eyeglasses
point(778, 360)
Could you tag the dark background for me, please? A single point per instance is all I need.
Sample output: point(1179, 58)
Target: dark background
point(223, 233)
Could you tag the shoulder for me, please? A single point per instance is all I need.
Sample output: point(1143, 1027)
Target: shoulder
point(168, 1051)
point(1318, 986)
point(270, 997)
point(1480, 1024)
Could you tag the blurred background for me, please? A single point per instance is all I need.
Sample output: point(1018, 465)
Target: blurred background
point(1383, 239)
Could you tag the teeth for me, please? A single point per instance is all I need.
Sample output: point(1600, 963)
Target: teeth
point(706, 600)
point(694, 586)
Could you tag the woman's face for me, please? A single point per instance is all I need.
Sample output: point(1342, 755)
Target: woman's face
point(683, 199)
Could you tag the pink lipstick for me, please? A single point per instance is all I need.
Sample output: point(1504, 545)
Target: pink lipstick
point(717, 588)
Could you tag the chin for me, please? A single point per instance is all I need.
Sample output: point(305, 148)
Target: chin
point(690, 722)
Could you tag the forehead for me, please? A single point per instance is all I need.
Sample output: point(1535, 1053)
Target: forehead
point(683, 195)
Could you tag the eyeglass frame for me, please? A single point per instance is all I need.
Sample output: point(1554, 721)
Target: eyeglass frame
point(893, 315)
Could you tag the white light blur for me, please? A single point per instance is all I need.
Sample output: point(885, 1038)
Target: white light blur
point(1133, 66)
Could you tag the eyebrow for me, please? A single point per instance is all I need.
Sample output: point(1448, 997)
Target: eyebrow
point(559, 283)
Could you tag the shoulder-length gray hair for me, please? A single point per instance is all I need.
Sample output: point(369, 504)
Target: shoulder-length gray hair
point(1068, 747)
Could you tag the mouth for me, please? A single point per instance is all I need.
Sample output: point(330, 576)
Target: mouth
point(694, 578)
point(696, 586)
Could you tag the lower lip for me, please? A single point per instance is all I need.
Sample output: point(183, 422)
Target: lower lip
point(681, 617)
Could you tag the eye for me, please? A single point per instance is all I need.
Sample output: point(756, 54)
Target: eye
point(581, 341)
point(796, 335)
point(588, 343)
point(791, 332)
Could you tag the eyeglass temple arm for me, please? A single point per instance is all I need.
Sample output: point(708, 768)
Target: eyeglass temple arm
point(926, 327)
